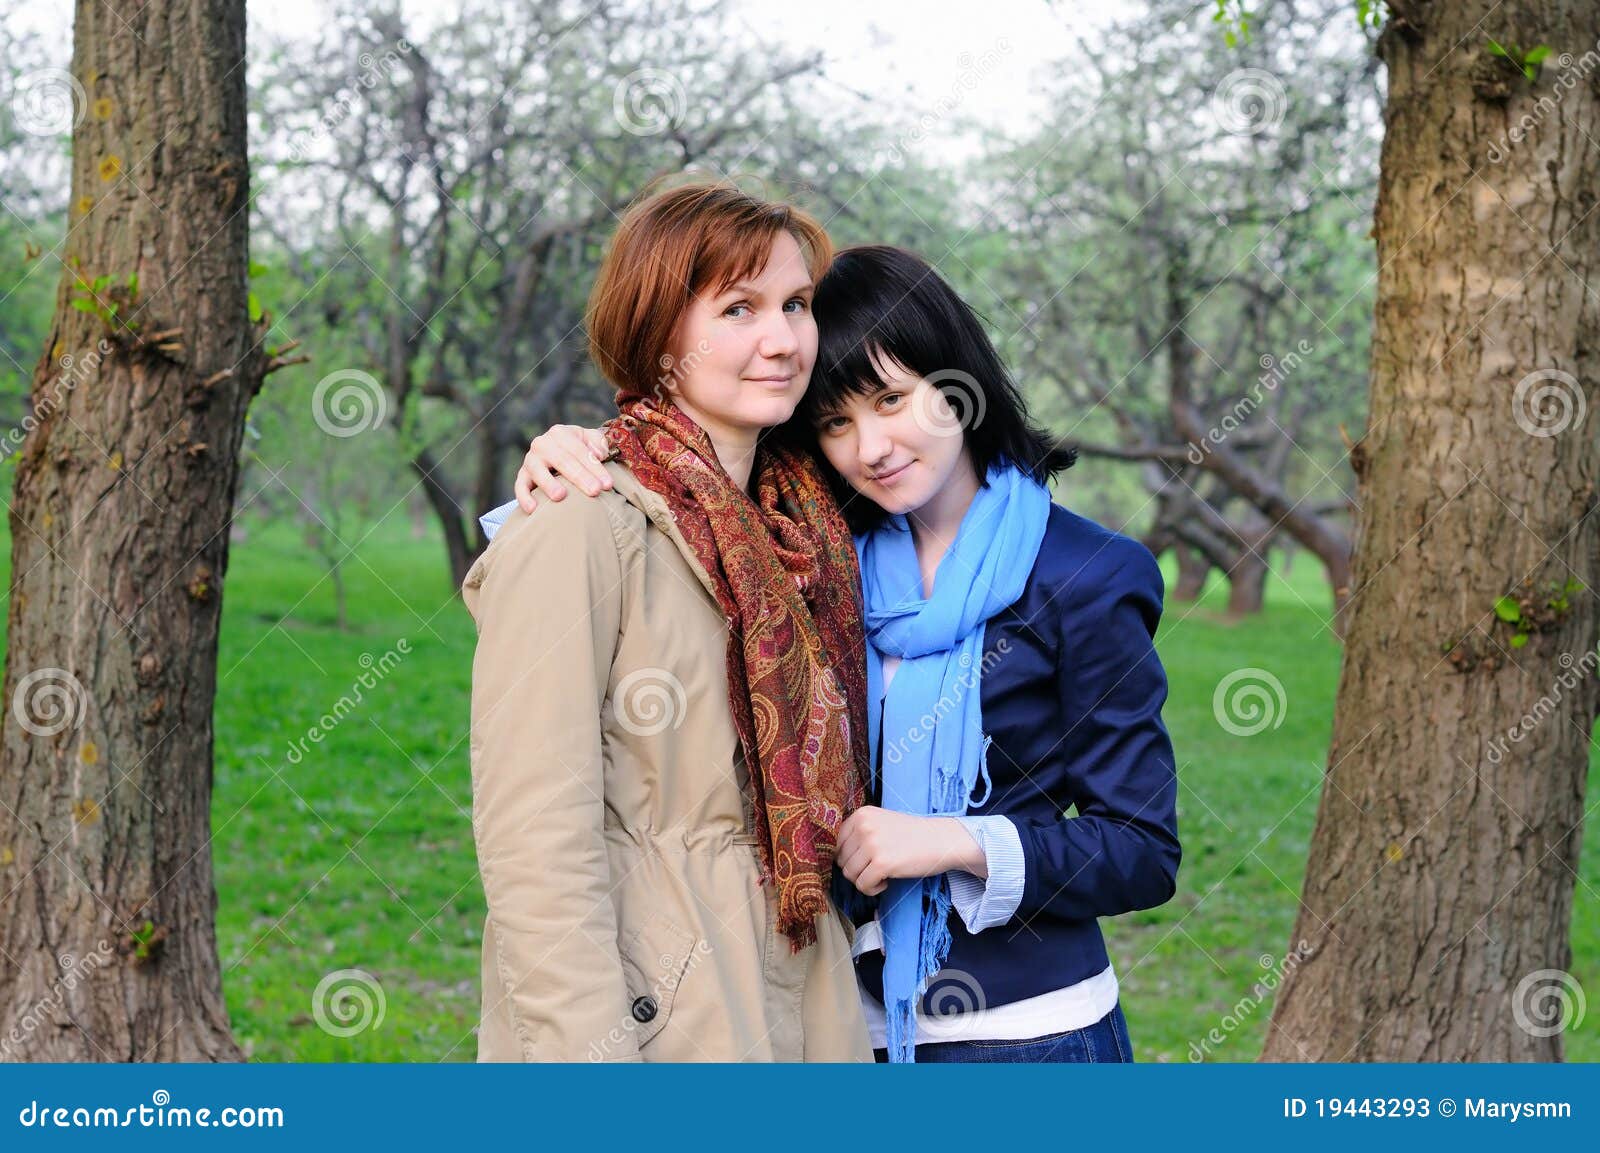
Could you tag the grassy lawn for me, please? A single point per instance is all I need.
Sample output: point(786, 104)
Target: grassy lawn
point(358, 854)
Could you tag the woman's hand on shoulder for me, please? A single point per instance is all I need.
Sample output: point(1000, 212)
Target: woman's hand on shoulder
point(568, 451)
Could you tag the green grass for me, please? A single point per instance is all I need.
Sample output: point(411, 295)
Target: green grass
point(1246, 807)
point(360, 856)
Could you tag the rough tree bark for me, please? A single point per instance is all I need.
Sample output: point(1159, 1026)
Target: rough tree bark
point(124, 493)
point(1439, 887)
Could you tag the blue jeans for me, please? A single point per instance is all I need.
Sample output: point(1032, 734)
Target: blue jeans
point(1106, 1041)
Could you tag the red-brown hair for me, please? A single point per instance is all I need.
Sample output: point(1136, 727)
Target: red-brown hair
point(672, 246)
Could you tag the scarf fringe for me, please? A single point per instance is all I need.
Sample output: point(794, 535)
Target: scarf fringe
point(934, 938)
point(983, 773)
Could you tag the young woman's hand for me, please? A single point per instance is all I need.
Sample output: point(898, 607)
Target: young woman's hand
point(877, 844)
point(573, 452)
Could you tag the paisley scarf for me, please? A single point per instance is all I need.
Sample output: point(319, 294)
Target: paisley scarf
point(786, 578)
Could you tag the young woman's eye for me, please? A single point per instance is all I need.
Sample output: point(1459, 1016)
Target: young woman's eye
point(734, 308)
point(800, 302)
point(890, 399)
point(832, 424)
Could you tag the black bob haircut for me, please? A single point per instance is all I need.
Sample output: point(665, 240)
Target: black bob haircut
point(877, 301)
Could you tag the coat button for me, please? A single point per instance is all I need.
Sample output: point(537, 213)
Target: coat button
point(644, 1009)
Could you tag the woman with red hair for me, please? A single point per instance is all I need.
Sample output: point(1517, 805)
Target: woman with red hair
point(668, 712)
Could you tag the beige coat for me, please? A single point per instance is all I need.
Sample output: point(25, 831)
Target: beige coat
point(610, 811)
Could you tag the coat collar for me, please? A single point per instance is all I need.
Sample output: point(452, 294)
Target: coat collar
point(655, 506)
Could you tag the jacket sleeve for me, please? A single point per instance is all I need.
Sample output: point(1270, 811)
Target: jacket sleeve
point(1120, 852)
point(546, 597)
point(983, 904)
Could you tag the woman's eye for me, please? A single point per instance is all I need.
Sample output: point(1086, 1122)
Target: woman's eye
point(832, 424)
point(891, 398)
point(799, 302)
point(733, 308)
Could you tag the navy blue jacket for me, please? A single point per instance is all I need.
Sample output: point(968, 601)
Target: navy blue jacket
point(1072, 694)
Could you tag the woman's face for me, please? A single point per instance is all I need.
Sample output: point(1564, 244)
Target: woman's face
point(900, 445)
point(742, 357)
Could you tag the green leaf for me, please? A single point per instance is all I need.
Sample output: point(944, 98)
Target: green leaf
point(1536, 54)
point(83, 304)
point(133, 282)
point(255, 308)
point(257, 269)
point(1519, 640)
point(1496, 50)
point(1507, 609)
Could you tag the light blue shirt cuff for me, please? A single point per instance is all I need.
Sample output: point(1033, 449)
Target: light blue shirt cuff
point(983, 904)
point(495, 517)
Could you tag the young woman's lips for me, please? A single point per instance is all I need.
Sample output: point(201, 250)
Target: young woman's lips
point(891, 477)
point(776, 383)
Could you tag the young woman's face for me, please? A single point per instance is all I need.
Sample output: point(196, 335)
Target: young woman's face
point(742, 357)
point(900, 445)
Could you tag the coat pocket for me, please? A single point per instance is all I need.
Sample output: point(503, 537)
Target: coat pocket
point(655, 958)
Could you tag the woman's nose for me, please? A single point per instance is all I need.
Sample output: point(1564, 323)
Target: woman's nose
point(872, 446)
point(778, 339)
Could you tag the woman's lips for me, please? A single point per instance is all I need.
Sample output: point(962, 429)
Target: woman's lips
point(891, 477)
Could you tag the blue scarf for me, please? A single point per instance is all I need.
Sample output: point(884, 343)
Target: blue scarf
point(932, 718)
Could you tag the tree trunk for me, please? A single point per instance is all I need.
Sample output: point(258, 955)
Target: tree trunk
point(1247, 585)
point(119, 526)
point(1192, 572)
point(1439, 886)
point(444, 506)
point(341, 607)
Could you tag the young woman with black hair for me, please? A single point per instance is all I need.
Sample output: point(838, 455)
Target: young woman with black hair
point(1011, 677)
